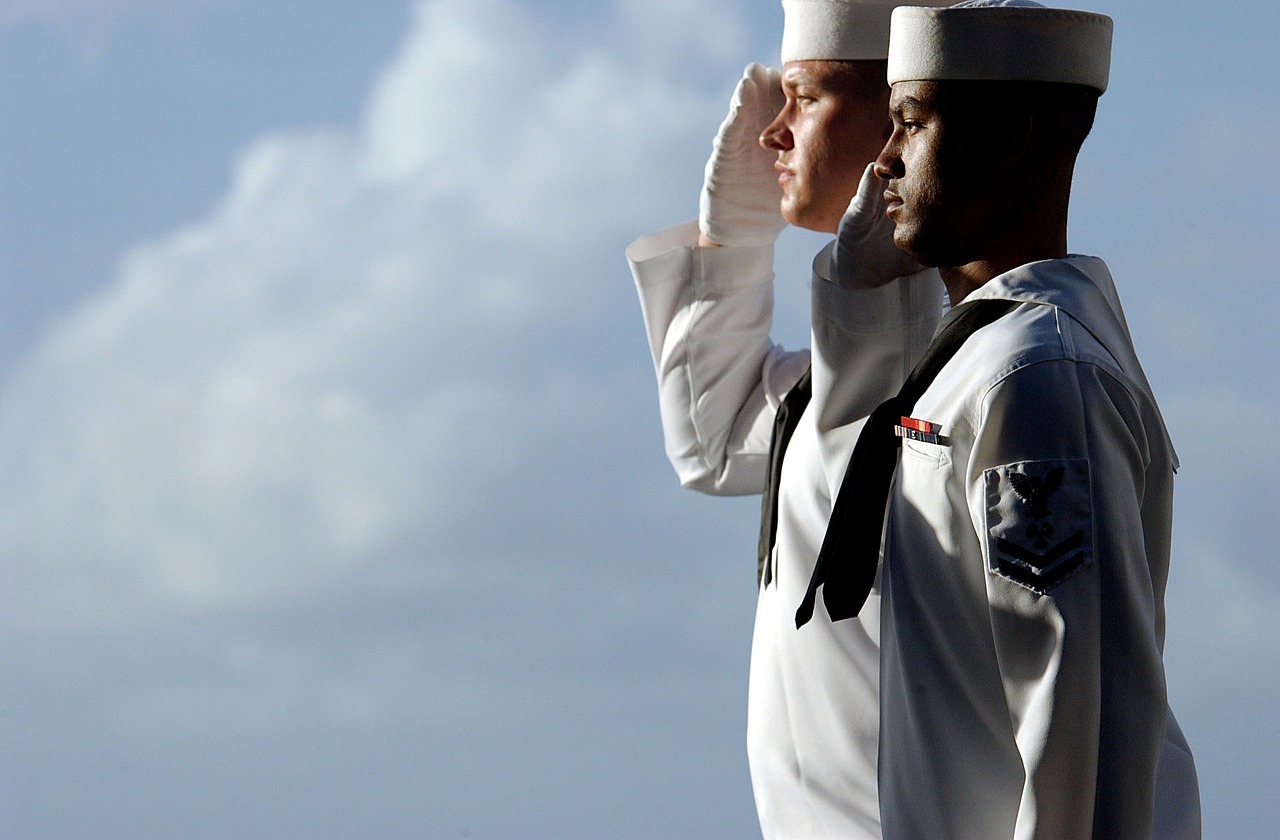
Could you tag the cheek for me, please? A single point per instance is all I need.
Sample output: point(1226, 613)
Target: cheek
point(919, 169)
point(809, 148)
point(818, 157)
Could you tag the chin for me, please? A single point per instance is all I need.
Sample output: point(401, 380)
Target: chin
point(923, 246)
point(791, 214)
point(811, 219)
point(908, 245)
point(800, 213)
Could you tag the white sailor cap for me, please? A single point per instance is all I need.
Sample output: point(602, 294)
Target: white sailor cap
point(1000, 40)
point(838, 30)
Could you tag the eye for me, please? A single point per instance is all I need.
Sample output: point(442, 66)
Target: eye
point(909, 126)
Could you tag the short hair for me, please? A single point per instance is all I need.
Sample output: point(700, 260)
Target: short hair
point(1061, 114)
point(1064, 112)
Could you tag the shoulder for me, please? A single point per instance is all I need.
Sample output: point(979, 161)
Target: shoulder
point(1038, 373)
point(1036, 341)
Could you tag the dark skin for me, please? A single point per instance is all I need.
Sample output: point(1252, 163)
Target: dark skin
point(976, 183)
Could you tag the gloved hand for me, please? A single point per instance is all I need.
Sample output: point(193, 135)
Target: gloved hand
point(864, 255)
point(741, 194)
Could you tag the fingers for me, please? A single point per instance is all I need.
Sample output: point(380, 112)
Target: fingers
point(739, 203)
point(865, 255)
point(870, 192)
point(866, 208)
point(759, 98)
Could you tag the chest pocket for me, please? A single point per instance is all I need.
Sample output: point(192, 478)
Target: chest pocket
point(925, 455)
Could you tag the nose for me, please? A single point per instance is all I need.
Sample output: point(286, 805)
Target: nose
point(776, 136)
point(888, 164)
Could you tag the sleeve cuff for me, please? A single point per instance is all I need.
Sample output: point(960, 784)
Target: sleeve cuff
point(721, 269)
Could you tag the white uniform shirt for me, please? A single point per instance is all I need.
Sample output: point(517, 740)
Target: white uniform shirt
point(812, 702)
point(1024, 568)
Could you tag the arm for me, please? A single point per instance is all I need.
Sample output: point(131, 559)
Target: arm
point(708, 309)
point(707, 314)
point(1065, 490)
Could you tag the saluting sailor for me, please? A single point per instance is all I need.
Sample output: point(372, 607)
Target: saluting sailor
point(795, 148)
point(1026, 536)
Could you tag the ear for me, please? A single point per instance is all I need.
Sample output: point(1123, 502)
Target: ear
point(1012, 127)
point(996, 132)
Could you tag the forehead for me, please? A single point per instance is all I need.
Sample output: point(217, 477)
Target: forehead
point(919, 95)
point(809, 73)
point(832, 75)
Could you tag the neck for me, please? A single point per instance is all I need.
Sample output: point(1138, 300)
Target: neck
point(962, 280)
point(1035, 233)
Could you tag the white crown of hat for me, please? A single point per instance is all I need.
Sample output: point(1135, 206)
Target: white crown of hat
point(838, 30)
point(1000, 40)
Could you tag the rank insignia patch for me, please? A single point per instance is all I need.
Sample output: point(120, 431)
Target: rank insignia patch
point(921, 430)
point(1039, 521)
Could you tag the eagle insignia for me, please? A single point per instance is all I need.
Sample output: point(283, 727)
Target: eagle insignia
point(1036, 492)
point(1039, 521)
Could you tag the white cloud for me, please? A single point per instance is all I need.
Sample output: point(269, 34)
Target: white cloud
point(678, 31)
point(367, 460)
point(371, 450)
point(351, 350)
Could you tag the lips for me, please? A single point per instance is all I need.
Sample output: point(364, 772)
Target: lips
point(892, 202)
point(785, 173)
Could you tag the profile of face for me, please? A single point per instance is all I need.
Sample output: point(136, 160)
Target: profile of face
point(833, 123)
point(938, 168)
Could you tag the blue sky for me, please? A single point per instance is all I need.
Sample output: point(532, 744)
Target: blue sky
point(334, 499)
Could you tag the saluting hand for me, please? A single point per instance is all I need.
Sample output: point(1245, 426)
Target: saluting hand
point(864, 255)
point(741, 194)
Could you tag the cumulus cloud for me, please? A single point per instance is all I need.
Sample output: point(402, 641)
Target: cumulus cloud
point(370, 452)
point(358, 349)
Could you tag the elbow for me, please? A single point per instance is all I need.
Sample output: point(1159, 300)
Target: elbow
point(742, 476)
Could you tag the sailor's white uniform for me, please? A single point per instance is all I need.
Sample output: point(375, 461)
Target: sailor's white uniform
point(812, 703)
point(1023, 576)
point(815, 694)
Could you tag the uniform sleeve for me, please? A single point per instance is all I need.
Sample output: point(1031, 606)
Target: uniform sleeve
point(707, 314)
point(1060, 484)
point(864, 344)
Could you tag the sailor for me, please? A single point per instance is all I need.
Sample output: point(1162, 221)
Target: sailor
point(1027, 535)
point(795, 148)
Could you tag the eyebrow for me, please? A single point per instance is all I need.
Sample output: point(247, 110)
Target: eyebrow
point(905, 102)
point(797, 79)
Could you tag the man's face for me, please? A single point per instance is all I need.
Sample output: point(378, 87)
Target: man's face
point(937, 175)
point(834, 122)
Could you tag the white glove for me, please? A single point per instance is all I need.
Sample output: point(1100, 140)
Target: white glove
point(864, 255)
point(741, 194)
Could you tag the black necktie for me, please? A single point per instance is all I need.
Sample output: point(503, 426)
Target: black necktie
point(784, 425)
point(846, 564)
